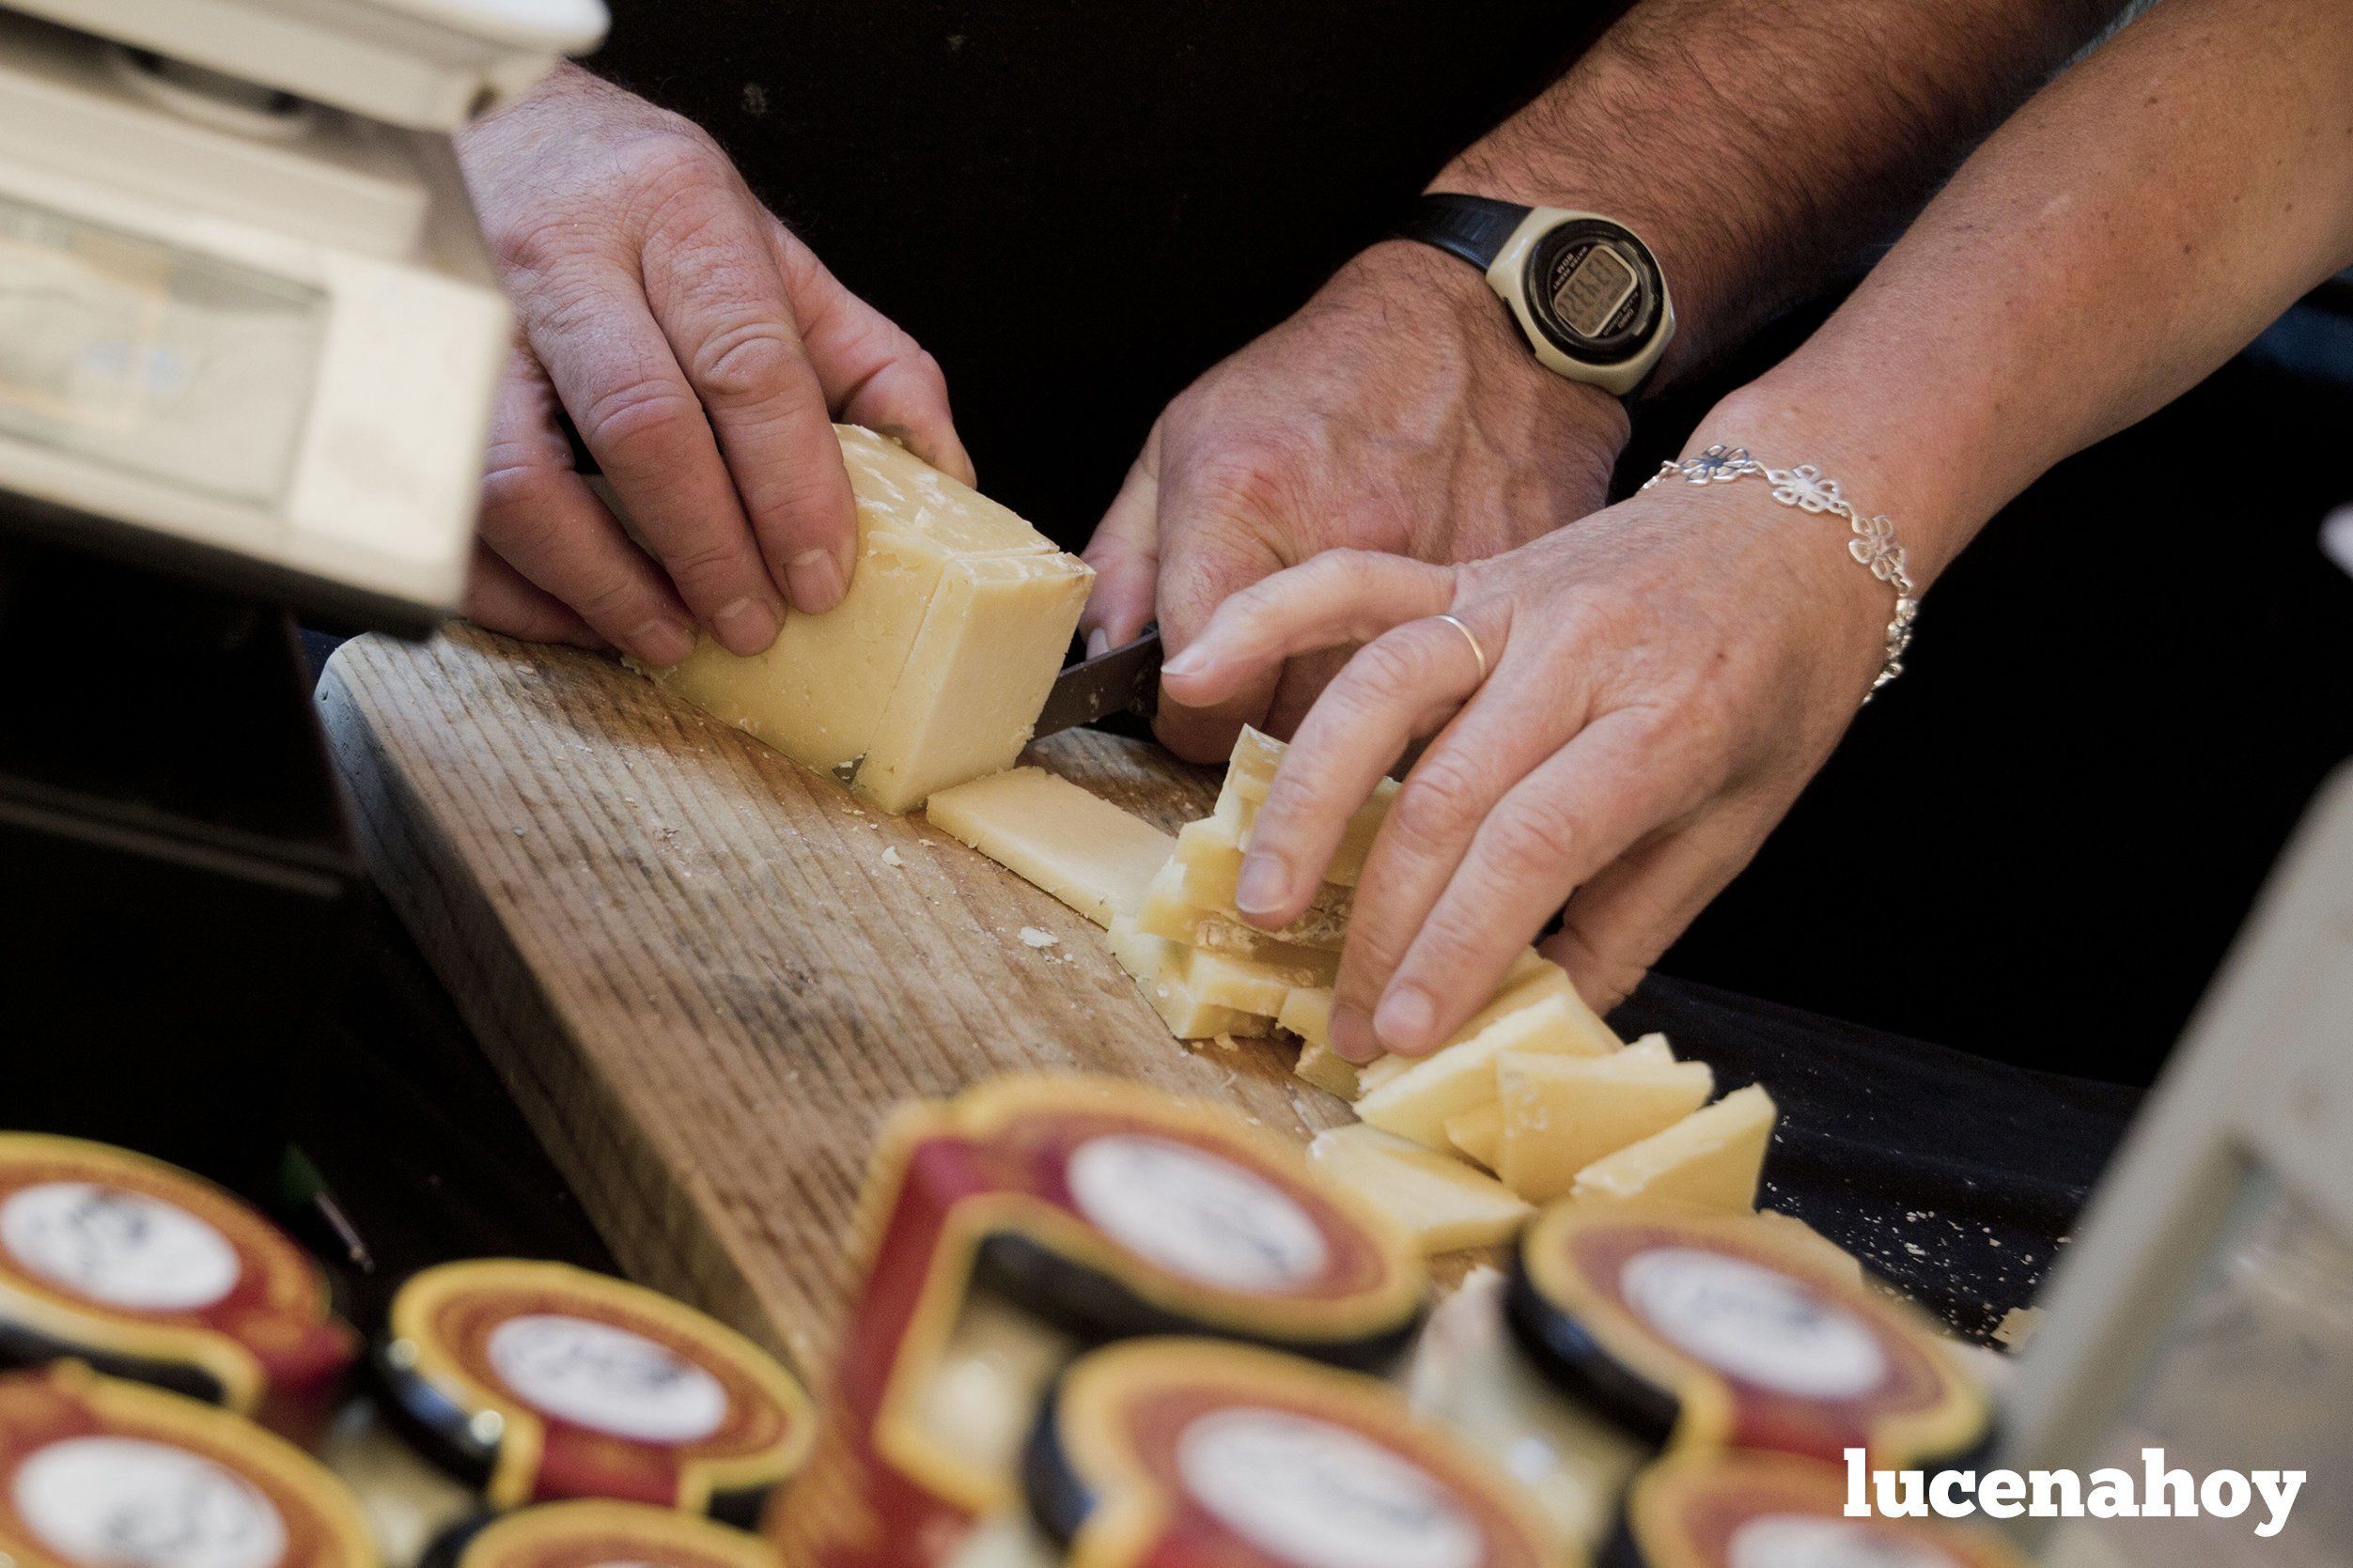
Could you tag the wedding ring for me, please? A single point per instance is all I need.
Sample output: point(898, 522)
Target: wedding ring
point(1471, 637)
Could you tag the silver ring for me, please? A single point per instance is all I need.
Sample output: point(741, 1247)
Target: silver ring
point(1471, 637)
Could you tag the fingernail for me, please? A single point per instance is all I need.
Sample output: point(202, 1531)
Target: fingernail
point(662, 642)
point(1190, 662)
point(1263, 884)
point(747, 627)
point(1404, 1020)
point(816, 580)
point(1097, 643)
point(1352, 1037)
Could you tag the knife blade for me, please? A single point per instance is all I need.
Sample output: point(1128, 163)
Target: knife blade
point(1120, 679)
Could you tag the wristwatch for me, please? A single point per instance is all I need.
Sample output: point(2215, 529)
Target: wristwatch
point(1585, 289)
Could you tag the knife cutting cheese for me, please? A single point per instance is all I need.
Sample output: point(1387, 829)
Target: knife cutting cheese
point(933, 668)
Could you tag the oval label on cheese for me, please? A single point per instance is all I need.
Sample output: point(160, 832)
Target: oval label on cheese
point(542, 1382)
point(1730, 1509)
point(1698, 1328)
point(1203, 1451)
point(95, 1472)
point(1196, 1213)
point(145, 1270)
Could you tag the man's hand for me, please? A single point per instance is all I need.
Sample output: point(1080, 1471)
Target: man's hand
point(1399, 411)
point(701, 352)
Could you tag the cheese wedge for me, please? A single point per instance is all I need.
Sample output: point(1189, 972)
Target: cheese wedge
point(1050, 833)
point(1247, 778)
point(934, 666)
point(1478, 1135)
point(1651, 1047)
point(1790, 1225)
point(1437, 1200)
point(1417, 1102)
point(1712, 1157)
point(1558, 1114)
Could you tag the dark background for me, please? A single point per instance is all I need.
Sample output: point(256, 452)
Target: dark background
point(2036, 846)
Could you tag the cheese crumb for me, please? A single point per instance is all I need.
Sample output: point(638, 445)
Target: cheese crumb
point(892, 857)
point(1033, 936)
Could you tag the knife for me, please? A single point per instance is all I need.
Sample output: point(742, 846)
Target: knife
point(1124, 679)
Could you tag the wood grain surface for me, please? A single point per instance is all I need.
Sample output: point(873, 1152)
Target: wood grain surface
point(700, 974)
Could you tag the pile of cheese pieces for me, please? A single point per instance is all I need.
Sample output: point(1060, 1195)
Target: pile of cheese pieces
point(1533, 1099)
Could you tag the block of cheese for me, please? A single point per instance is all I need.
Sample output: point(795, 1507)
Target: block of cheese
point(1478, 1134)
point(934, 666)
point(1712, 1157)
point(1166, 913)
point(1417, 1102)
point(1441, 1202)
point(1048, 831)
point(1560, 1114)
point(1209, 853)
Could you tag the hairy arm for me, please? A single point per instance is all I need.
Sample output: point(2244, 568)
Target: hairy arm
point(1758, 144)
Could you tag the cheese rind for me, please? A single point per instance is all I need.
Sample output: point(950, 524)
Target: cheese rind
point(1712, 1157)
point(932, 663)
point(1437, 1200)
point(1559, 1114)
point(1050, 833)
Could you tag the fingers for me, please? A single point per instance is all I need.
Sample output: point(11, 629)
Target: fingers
point(1619, 923)
point(500, 600)
point(870, 369)
point(1404, 683)
point(542, 520)
point(1341, 596)
point(1566, 822)
point(712, 280)
point(1126, 555)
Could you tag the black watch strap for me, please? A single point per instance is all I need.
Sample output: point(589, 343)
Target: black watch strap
point(1471, 227)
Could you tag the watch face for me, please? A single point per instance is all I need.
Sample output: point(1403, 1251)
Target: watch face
point(1594, 290)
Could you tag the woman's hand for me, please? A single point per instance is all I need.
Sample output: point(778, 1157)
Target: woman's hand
point(1663, 678)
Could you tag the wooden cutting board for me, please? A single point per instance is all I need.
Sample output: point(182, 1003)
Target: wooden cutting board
point(702, 975)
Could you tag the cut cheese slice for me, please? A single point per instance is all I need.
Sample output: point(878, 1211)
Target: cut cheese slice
point(1439, 1200)
point(1211, 854)
point(1479, 1134)
point(1047, 830)
point(1252, 771)
point(1560, 1113)
point(974, 646)
point(1417, 1102)
point(1328, 1071)
point(1712, 1157)
point(1651, 1047)
point(1157, 966)
point(1165, 913)
point(1790, 1225)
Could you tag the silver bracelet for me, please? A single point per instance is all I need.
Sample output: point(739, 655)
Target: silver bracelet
point(1803, 486)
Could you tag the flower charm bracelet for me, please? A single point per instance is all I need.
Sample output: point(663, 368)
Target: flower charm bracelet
point(1873, 544)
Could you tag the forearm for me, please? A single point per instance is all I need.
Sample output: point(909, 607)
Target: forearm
point(2140, 222)
point(1757, 144)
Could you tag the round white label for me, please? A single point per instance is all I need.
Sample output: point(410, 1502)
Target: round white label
point(1192, 1212)
point(1753, 1323)
point(122, 1249)
point(1321, 1495)
point(123, 1502)
point(596, 1375)
point(1809, 1540)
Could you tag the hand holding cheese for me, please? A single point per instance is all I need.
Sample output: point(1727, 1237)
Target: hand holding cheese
point(1663, 679)
point(698, 346)
point(932, 670)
